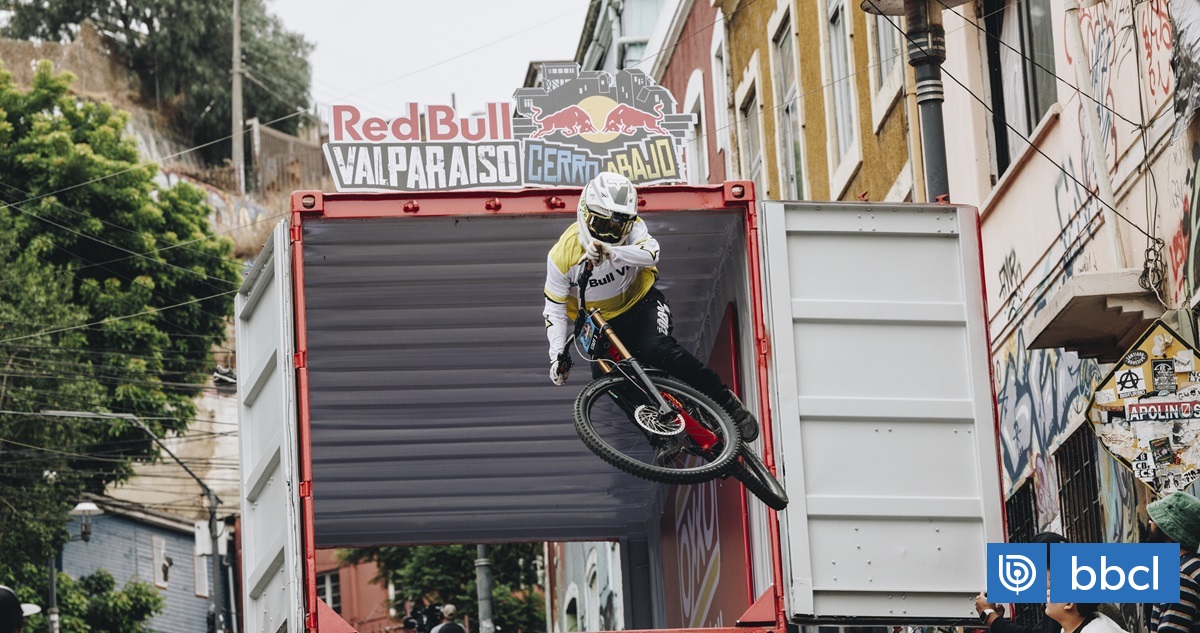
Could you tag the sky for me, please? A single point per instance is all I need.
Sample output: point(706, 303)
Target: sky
point(381, 54)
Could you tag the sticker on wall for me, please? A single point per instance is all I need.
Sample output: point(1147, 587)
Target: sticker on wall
point(1146, 411)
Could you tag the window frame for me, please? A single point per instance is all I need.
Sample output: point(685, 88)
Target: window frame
point(200, 574)
point(697, 143)
point(719, 63)
point(841, 167)
point(332, 580)
point(885, 92)
point(158, 550)
point(753, 103)
point(789, 104)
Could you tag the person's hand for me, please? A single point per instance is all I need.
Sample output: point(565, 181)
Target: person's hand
point(598, 252)
point(982, 603)
point(559, 372)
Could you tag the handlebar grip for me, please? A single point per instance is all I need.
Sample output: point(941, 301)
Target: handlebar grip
point(565, 360)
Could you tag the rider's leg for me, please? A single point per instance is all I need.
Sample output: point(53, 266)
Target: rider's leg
point(646, 329)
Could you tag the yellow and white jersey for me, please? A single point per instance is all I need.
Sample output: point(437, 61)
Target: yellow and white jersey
point(615, 286)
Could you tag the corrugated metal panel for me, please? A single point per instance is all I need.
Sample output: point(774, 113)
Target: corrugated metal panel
point(433, 417)
point(267, 429)
point(884, 405)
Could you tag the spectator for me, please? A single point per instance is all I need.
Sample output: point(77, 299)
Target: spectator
point(12, 612)
point(1078, 617)
point(1176, 519)
point(993, 614)
point(448, 625)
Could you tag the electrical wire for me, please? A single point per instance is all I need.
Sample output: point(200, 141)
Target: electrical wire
point(117, 318)
point(1022, 136)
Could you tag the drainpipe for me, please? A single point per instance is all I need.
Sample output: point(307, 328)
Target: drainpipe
point(1095, 144)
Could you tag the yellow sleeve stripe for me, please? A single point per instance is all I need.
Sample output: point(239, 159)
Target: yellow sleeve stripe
point(553, 297)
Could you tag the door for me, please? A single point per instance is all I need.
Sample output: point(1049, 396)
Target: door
point(884, 406)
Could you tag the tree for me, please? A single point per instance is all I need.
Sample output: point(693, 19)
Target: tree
point(431, 575)
point(93, 604)
point(182, 51)
point(113, 292)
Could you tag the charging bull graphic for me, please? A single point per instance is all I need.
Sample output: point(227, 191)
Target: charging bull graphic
point(626, 119)
point(569, 121)
point(578, 123)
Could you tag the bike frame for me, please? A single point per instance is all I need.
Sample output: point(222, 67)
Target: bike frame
point(704, 438)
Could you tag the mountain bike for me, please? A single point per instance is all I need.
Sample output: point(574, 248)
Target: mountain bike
point(654, 426)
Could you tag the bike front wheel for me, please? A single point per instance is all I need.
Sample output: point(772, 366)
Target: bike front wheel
point(618, 422)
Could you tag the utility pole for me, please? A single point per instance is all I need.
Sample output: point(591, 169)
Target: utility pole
point(52, 611)
point(925, 39)
point(239, 151)
point(483, 583)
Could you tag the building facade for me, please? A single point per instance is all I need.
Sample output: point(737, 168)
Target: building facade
point(353, 592)
point(133, 542)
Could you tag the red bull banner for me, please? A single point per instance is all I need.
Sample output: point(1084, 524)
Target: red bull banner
point(563, 132)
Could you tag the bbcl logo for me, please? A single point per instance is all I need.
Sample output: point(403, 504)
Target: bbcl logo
point(1083, 572)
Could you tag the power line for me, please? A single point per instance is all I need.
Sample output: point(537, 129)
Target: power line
point(119, 318)
point(1017, 132)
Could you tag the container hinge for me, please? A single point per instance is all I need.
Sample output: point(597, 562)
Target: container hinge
point(295, 232)
point(311, 620)
point(300, 360)
point(305, 489)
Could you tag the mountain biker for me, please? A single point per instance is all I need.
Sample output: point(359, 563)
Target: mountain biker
point(609, 234)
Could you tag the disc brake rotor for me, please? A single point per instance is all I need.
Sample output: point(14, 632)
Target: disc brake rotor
point(647, 417)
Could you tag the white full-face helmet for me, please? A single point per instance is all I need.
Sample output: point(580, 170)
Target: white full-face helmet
point(607, 208)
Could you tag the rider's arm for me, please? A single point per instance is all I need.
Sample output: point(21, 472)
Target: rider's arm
point(558, 326)
point(642, 249)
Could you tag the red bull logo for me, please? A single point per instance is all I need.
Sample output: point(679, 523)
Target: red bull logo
point(569, 121)
point(627, 119)
point(579, 123)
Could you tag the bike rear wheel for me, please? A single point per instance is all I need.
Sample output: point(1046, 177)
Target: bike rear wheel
point(605, 421)
point(754, 475)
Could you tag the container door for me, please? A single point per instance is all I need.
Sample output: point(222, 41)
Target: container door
point(884, 409)
point(273, 580)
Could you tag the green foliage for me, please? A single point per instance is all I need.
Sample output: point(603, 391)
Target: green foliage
point(75, 210)
point(446, 574)
point(93, 604)
point(182, 50)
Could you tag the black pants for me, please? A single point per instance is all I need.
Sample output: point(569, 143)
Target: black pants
point(646, 331)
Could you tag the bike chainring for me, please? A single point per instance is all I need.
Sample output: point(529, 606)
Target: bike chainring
point(647, 417)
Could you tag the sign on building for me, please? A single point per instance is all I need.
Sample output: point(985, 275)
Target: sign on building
point(577, 124)
point(1146, 412)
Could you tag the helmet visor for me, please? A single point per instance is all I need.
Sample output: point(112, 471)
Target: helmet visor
point(610, 230)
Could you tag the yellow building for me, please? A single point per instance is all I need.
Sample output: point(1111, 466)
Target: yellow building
point(819, 100)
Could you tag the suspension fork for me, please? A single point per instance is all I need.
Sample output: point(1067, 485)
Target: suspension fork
point(664, 409)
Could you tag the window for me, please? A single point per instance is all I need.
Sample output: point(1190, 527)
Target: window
point(329, 589)
point(886, 43)
point(719, 126)
point(752, 144)
point(888, 53)
point(844, 135)
point(790, 137)
point(1021, 510)
point(592, 597)
point(200, 572)
point(162, 561)
point(697, 148)
point(1021, 72)
point(1079, 487)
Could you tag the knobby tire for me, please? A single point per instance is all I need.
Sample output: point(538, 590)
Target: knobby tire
point(636, 443)
point(754, 475)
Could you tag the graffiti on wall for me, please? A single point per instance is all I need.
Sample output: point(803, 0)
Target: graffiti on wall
point(1041, 392)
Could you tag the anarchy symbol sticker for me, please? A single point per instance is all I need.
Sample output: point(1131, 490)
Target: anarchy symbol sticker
point(1131, 382)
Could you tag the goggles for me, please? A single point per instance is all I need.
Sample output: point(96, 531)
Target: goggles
point(612, 229)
